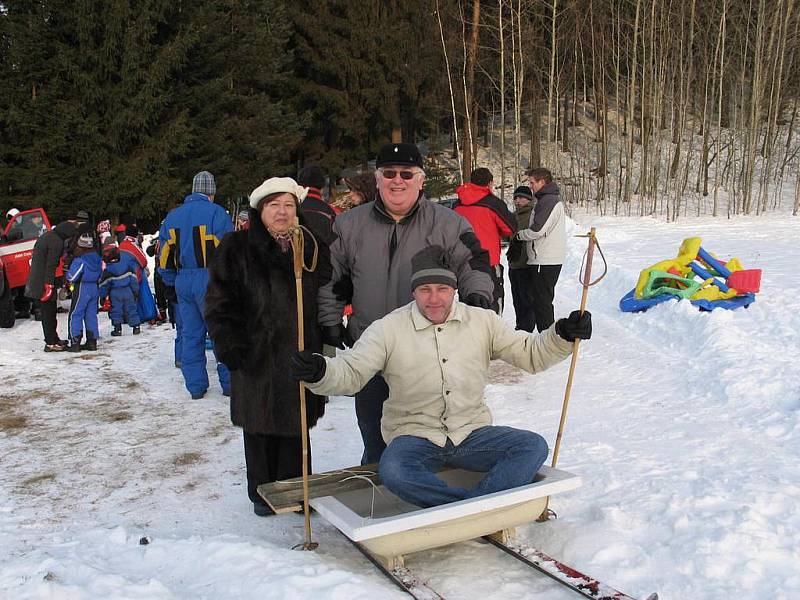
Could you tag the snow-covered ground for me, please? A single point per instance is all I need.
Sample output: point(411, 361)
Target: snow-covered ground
point(685, 427)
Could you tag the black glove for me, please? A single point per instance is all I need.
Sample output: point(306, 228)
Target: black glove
point(576, 326)
point(478, 300)
point(337, 336)
point(170, 294)
point(307, 366)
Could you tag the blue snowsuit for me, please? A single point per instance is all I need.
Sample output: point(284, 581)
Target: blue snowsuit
point(84, 273)
point(120, 282)
point(188, 238)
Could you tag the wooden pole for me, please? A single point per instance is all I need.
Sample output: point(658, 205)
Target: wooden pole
point(297, 250)
point(586, 281)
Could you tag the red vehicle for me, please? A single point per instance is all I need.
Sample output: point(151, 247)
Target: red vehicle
point(16, 247)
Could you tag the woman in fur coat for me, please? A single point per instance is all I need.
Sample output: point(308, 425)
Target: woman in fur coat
point(251, 313)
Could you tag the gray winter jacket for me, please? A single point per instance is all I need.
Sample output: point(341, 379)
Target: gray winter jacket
point(371, 260)
point(546, 235)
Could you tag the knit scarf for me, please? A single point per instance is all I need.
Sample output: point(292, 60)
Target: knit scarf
point(284, 239)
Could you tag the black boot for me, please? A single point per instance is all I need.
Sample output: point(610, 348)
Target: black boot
point(91, 343)
point(117, 330)
point(136, 330)
point(74, 344)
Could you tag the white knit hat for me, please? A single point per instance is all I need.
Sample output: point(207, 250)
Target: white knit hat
point(276, 185)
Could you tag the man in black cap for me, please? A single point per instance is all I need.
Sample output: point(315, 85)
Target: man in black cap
point(371, 259)
point(434, 353)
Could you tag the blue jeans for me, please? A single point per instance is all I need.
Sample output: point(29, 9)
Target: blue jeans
point(509, 457)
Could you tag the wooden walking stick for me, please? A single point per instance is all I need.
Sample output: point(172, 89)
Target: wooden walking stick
point(585, 279)
point(298, 249)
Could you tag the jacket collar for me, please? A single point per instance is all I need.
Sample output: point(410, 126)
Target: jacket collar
point(196, 197)
point(379, 209)
point(548, 188)
point(421, 322)
point(470, 193)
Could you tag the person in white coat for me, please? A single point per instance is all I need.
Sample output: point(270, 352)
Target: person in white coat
point(546, 244)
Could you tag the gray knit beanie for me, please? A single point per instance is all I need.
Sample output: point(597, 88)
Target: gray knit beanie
point(432, 265)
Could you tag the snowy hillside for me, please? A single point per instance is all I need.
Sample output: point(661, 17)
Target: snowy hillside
point(684, 426)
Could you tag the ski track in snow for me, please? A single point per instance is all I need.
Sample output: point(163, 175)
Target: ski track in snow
point(684, 426)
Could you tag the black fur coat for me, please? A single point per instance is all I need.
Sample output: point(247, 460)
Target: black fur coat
point(251, 313)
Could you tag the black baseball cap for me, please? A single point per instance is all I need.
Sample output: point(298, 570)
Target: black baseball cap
point(401, 154)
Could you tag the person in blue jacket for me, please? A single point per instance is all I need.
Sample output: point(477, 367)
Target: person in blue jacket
point(119, 281)
point(84, 273)
point(188, 239)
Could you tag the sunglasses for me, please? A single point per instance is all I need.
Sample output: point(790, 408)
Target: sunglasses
point(391, 174)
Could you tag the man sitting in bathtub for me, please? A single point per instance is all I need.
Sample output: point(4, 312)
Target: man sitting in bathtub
point(434, 354)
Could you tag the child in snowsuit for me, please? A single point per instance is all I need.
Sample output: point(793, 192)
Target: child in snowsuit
point(84, 273)
point(119, 281)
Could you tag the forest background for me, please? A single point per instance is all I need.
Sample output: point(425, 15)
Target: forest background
point(655, 107)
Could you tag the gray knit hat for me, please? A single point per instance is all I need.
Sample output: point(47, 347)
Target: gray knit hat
point(203, 183)
point(432, 265)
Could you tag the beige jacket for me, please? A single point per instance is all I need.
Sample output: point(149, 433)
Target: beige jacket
point(437, 373)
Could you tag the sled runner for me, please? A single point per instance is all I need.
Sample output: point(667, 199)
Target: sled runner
point(386, 528)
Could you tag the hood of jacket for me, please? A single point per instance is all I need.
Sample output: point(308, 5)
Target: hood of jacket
point(470, 193)
point(548, 188)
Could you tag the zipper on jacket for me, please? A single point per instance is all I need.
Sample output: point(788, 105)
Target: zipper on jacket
point(392, 244)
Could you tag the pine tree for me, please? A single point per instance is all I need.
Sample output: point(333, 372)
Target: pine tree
point(236, 83)
point(363, 69)
point(104, 132)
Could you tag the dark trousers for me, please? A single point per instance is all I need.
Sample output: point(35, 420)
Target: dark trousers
point(49, 319)
point(498, 294)
point(369, 410)
point(161, 298)
point(272, 458)
point(544, 290)
point(522, 296)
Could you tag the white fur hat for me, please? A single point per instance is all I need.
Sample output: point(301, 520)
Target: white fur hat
point(276, 185)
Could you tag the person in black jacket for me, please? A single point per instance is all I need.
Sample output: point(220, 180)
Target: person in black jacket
point(42, 283)
point(251, 313)
point(318, 213)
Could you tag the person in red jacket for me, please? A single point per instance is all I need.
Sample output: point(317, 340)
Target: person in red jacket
point(491, 220)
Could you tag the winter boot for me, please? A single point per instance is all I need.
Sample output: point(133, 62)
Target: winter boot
point(117, 330)
point(136, 330)
point(74, 344)
point(91, 343)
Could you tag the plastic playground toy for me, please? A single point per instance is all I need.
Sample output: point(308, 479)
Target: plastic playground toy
point(696, 275)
